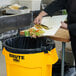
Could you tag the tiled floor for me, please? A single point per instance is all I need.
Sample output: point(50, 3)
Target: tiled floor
point(2, 65)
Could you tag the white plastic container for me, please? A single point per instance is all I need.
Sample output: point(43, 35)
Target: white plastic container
point(32, 4)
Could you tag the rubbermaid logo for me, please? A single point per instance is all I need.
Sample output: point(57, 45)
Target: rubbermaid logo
point(16, 57)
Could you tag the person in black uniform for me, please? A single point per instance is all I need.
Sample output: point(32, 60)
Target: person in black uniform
point(70, 6)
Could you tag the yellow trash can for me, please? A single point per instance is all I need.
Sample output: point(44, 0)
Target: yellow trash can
point(27, 56)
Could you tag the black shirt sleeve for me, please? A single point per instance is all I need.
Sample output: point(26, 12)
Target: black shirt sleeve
point(55, 6)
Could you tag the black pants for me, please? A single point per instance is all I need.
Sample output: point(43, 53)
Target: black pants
point(72, 32)
point(73, 44)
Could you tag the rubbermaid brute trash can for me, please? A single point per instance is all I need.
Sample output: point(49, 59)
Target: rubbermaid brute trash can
point(27, 56)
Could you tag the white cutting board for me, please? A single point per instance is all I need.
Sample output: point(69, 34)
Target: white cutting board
point(53, 23)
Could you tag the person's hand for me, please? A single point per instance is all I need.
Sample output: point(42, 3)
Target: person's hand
point(39, 17)
point(38, 20)
point(64, 25)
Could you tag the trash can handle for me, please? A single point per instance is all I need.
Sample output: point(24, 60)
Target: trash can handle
point(44, 49)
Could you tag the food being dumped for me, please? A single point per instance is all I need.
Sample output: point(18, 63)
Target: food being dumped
point(42, 26)
point(27, 33)
point(34, 31)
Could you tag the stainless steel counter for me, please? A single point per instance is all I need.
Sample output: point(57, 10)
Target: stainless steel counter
point(14, 22)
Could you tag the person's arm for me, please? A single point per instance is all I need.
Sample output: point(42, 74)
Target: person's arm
point(70, 27)
point(39, 17)
point(55, 6)
point(50, 9)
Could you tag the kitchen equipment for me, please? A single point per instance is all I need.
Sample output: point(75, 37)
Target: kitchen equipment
point(14, 22)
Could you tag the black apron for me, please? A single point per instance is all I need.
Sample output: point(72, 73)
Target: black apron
point(71, 9)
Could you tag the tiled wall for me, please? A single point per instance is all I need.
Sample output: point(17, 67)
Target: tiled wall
point(6, 2)
point(32, 4)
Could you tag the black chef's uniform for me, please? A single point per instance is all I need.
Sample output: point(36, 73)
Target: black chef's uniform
point(70, 6)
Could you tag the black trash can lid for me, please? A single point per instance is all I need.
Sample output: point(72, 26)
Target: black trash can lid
point(28, 45)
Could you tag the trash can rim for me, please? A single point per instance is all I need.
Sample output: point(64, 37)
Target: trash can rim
point(22, 51)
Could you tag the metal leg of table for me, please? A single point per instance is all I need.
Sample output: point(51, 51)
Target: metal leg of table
point(63, 55)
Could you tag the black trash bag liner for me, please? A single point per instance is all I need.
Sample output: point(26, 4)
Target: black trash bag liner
point(26, 45)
